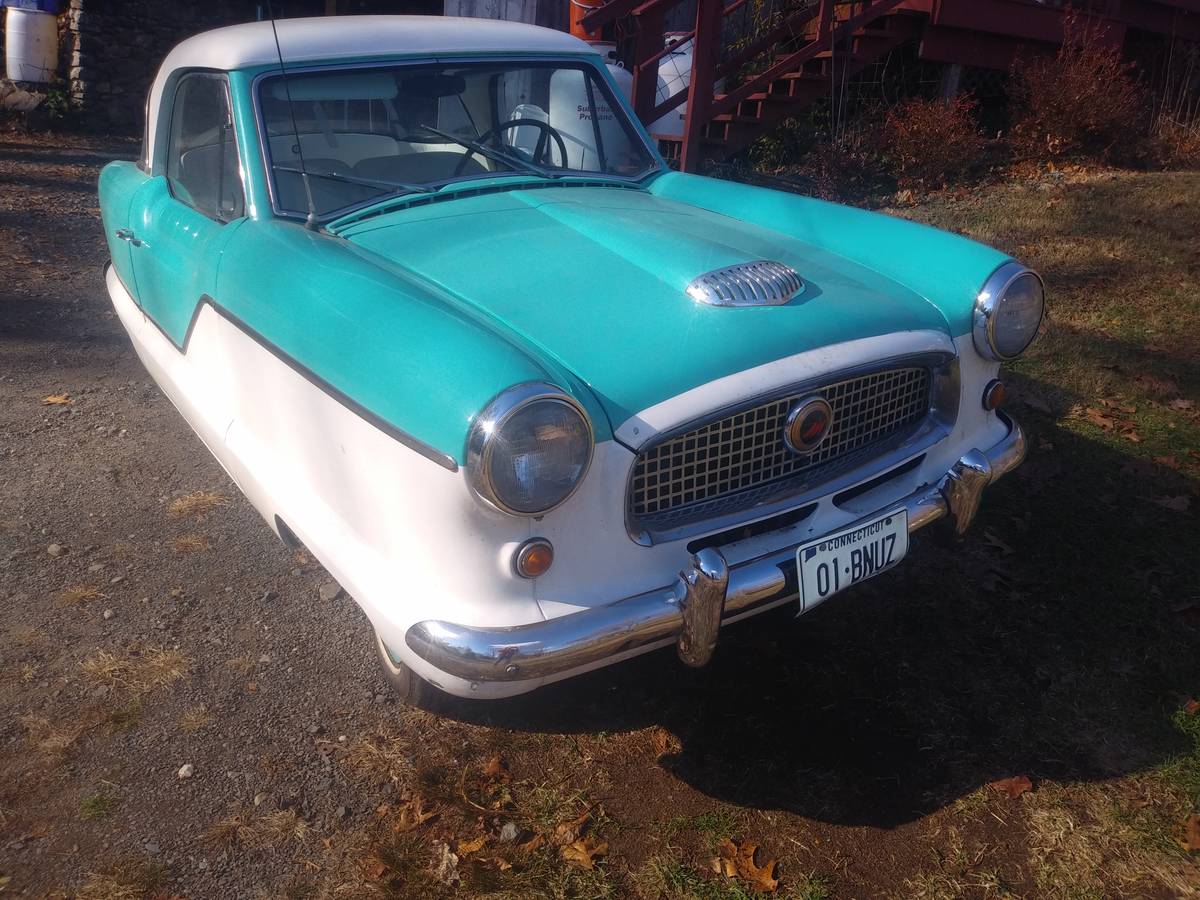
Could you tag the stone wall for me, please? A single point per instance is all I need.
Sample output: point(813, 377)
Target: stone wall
point(112, 49)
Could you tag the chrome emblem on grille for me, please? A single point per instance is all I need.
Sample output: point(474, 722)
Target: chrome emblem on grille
point(761, 283)
point(808, 424)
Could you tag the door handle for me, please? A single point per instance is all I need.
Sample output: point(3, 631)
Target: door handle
point(126, 235)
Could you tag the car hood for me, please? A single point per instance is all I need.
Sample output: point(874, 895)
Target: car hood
point(595, 278)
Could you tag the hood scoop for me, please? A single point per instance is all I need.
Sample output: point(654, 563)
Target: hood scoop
point(759, 283)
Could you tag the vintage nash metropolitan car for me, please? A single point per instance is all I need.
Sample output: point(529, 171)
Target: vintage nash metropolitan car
point(428, 292)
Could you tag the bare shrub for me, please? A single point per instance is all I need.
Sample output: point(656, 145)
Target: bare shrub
point(1084, 102)
point(932, 143)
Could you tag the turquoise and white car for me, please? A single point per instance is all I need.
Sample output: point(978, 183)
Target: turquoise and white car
point(539, 403)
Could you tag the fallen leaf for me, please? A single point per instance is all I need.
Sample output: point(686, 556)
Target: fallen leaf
point(56, 400)
point(502, 864)
point(1192, 707)
point(1169, 461)
point(413, 814)
point(1128, 410)
point(738, 860)
point(569, 832)
point(664, 743)
point(466, 848)
point(1178, 403)
point(496, 769)
point(1014, 787)
point(375, 867)
point(1177, 504)
point(1191, 833)
point(1132, 435)
point(537, 842)
point(1099, 419)
point(585, 852)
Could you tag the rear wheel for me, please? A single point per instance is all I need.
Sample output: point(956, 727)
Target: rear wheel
point(412, 689)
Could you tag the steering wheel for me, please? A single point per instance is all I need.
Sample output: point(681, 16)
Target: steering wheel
point(541, 154)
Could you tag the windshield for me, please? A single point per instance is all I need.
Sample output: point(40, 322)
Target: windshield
point(375, 132)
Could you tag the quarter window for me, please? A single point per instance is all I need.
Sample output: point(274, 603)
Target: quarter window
point(202, 160)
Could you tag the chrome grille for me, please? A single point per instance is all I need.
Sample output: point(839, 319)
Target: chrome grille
point(729, 462)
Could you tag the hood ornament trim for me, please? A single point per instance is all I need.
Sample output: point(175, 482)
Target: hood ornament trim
point(759, 283)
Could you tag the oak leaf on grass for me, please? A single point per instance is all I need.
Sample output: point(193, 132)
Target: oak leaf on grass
point(585, 852)
point(737, 860)
point(1014, 787)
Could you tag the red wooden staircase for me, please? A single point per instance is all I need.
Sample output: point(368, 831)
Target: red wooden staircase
point(772, 77)
point(742, 87)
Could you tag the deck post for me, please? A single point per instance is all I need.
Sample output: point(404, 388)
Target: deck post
point(647, 42)
point(705, 47)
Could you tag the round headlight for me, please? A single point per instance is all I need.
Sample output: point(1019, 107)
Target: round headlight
point(529, 449)
point(1008, 312)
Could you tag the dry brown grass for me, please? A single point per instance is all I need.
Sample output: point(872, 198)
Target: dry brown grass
point(383, 755)
point(195, 717)
point(126, 879)
point(54, 740)
point(271, 830)
point(196, 505)
point(189, 543)
point(137, 671)
point(81, 594)
point(243, 665)
point(1082, 842)
point(29, 671)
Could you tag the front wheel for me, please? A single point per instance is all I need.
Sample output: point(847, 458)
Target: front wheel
point(413, 690)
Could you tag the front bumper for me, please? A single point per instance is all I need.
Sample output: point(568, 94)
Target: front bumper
point(692, 609)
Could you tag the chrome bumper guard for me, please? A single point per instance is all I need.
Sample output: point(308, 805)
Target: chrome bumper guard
point(692, 609)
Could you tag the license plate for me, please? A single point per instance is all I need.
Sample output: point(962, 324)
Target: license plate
point(836, 561)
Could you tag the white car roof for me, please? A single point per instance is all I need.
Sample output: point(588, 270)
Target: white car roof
point(345, 37)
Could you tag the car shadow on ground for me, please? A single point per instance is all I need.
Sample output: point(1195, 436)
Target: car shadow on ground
point(1040, 646)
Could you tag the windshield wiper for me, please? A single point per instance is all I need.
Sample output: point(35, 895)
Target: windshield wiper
point(391, 186)
point(515, 162)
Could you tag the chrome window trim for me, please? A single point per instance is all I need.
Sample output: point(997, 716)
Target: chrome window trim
point(983, 325)
point(179, 79)
point(944, 398)
point(480, 442)
point(656, 167)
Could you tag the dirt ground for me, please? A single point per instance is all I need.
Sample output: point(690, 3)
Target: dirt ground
point(184, 712)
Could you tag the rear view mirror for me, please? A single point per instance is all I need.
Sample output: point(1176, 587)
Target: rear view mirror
point(433, 85)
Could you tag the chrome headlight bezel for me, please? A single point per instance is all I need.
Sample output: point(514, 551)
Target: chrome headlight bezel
point(487, 427)
point(987, 304)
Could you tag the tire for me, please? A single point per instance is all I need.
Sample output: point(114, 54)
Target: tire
point(412, 689)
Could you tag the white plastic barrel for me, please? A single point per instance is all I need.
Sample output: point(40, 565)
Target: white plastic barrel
point(30, 45)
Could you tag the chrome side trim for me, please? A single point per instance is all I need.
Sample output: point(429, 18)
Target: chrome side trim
point(759, 283)
point(555, 646)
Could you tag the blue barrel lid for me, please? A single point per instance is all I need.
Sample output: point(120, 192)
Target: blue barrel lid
point(48, 6)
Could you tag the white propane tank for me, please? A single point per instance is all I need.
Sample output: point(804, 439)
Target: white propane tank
point(570, 114)
point(674, 75)
point(622, 76)
point(30, 45)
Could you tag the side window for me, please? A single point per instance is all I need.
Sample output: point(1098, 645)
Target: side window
point(202, 160)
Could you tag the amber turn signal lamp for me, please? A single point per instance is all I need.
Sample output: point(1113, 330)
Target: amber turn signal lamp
point(534, 558)
point(994, 394)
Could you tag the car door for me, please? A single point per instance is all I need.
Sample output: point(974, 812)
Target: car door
point(182, 218)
